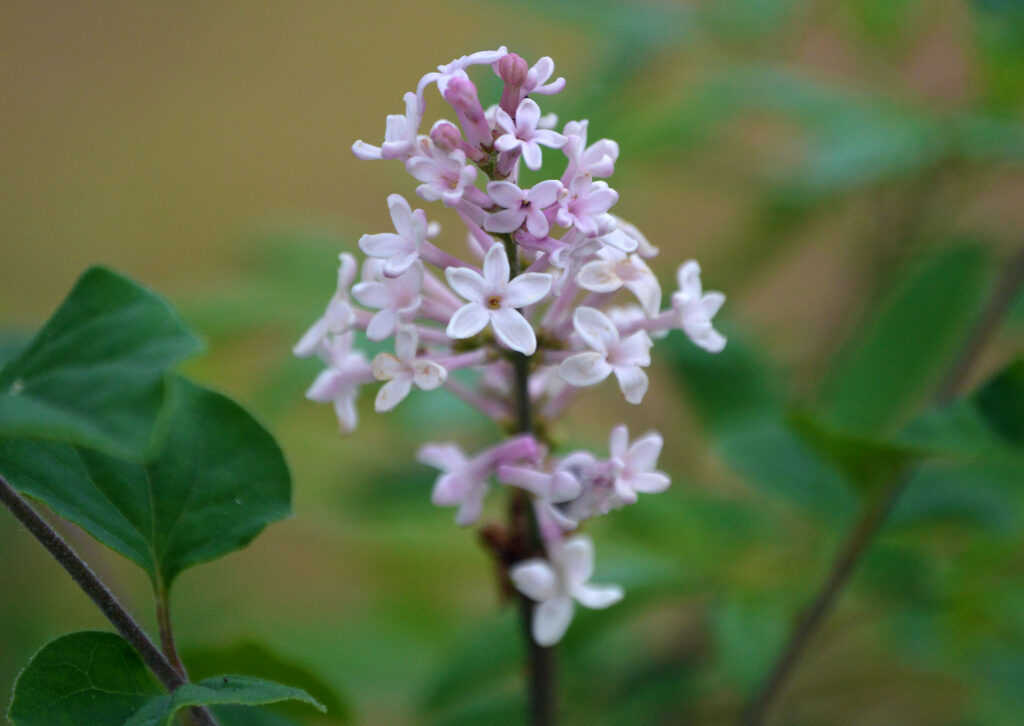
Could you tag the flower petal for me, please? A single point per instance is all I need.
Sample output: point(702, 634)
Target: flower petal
point(618, 442)
point(467, 283)
point(584, 369)
point(310, 340)
point(551, 619)
point(632, 382)
point(506, 194)
point(598, 596)
point(428, 375)
point(643, 454)
point(579, 559)
point(650, 482)
point(535, 578)
point(467, 321)
point(382, 324)
point(513, 330)
point(392, 393)
point(526, 289)
point(384, 244)
point(496, 269)
point(596, 329)
point(446, 457)
point(598, 276)
point(507, 220)
point(386, 367)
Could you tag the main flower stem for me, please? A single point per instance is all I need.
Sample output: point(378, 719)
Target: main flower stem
point(100, 594)
point(875, 515)
point(541, 673)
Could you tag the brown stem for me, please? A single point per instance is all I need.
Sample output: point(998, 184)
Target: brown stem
point(98, 592)
point(876, 514)
point(525, 540)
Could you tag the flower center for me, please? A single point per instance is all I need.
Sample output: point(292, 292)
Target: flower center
point(494, 302)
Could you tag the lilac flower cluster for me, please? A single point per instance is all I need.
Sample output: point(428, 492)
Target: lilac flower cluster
point(540, 276)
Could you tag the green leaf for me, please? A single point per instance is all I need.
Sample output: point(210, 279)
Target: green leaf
point(901, 352)
point(93, 376)
point(221, 690)
point(254, 659)
point(1001, 403)
point(217, 480)
point(82, 678)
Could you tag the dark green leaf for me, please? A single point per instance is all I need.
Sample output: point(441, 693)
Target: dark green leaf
point(93, 376)
point(82, 678)
point(254, 659)
point(221, 690)
point(898, 356)
point(217, 480)
point(1001, 402)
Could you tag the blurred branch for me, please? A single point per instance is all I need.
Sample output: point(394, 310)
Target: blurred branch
point(876, 514)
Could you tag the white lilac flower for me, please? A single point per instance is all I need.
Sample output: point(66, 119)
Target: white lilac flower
point(635, 464)
point(493, 299)
point(615, 270)
point(609, 354)
point(339, 383)
point(445, 175)
point(521, 206)
point(523, 134)
point(555, 486)
point(399, 134)
point(338, 316)
point(464, 481)
point(537, 79)
point(554, 584)
point(643, 248)
point(399, 251)
point(584, 205)
point(397, 299)
point(696, 308)
point(403, 369)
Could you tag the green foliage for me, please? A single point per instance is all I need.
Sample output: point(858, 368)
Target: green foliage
point(253, 659)
point(220, 690)
point(217, 479)
point(910, 341)
point(93, 376)
point(96, 678)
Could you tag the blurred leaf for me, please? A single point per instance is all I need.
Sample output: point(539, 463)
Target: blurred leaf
point(957, 429)
point(93, 376)
point(479, 664)
point(748, 635)
point(501, 709)
point(218, 479)
point(229, 689)
point(248, 716)
point(253, 659)
point(735, 397)
point(867, 461)
point(95, 677)
point(980, 494)
point(908, 342)
point(1001, 402)
point(11, 343)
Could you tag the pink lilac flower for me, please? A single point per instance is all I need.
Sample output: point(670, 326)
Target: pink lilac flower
point(464, 481)
point(339, 383)
point(554, 584)
point(445, 175)
point(399, 251)
point(337, 318)
point(537, 79)
point(609, 354)
point(636, 464)
point(397, 299)
point(596, 160)
point(615, 270)
point(493, 299)
point(695, 308)
point(521, 206)
point(555, 486)
point(399, 134)
point(523, 134)
point(445, 73)
point(403, 369)
point(584, 205)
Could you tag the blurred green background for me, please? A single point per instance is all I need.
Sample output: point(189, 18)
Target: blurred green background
point(849, 173)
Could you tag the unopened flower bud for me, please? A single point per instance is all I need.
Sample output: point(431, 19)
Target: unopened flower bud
point(445, 136)
point(513, 70)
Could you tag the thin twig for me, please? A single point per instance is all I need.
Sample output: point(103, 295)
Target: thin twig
point(876, 514)
point(99, 593)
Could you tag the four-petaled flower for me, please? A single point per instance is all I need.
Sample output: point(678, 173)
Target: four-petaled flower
point(397, 298)
point(399, 251)
point(339, 383)
point(616, 270)
point(521, 205)
point(635, 464)
point(403, 369)
point(399, 134)
point(610, 354)
point(523, 133)
point(696, 308)
point(554, 584)
point(493, 299)
point(584, 204)
point(338, 316)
